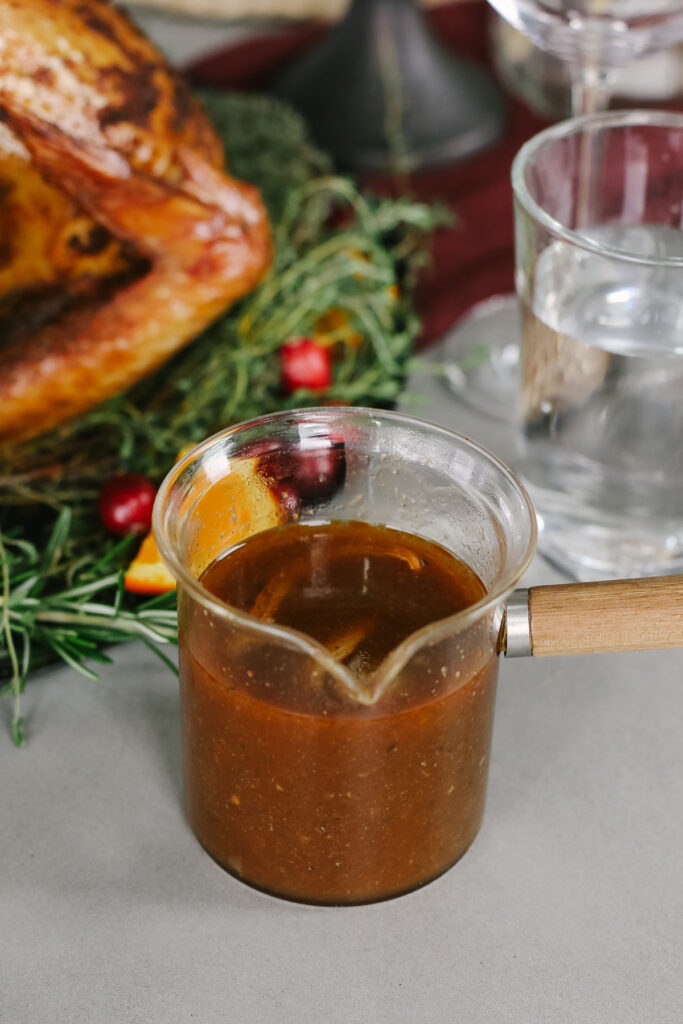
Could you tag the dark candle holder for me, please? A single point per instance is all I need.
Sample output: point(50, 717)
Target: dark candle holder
point(382, 92)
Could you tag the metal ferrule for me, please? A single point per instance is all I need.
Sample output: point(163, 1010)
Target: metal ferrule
point(517, 630)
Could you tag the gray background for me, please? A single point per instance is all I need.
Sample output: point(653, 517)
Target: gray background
point(569, 906)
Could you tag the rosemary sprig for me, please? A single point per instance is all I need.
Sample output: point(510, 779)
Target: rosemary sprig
point(73, 622)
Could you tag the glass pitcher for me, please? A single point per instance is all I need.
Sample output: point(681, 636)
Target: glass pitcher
point(301, 778)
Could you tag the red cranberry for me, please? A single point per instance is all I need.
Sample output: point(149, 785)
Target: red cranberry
point(305, 364)
point(125, 503)
point(318, 472)
point(298, 475)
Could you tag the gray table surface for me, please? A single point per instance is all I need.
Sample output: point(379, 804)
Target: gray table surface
point(568, 908)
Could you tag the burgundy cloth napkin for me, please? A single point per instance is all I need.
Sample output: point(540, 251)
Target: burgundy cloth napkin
point(472, 260)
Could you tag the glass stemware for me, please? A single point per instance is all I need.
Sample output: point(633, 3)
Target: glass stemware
point(594, 38)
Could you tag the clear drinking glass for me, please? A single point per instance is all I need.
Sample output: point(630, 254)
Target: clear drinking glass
point(302, 778)
point(594, 38)
point(599, 255)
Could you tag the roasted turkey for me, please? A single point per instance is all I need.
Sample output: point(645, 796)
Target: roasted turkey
point(121, 235)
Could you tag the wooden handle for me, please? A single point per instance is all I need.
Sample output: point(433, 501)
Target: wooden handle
point(619, 615)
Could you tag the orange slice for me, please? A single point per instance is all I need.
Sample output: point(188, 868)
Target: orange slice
point(243, 501)
point(147, 574)
point(232, 508)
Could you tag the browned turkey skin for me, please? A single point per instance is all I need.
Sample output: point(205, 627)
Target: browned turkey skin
point(107, 165)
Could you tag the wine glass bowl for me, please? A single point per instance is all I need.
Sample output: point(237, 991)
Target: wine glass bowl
point(610, 33)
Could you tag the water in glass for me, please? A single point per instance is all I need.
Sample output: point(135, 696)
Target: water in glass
point(602, 401)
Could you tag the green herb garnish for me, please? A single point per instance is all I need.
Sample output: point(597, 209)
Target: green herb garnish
point(337, 251)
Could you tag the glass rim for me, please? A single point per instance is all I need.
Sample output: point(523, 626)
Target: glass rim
point(503, 586)
point(574, 126)
point(551, 17)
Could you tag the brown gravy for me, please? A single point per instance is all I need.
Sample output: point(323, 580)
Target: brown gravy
point(296, 789)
